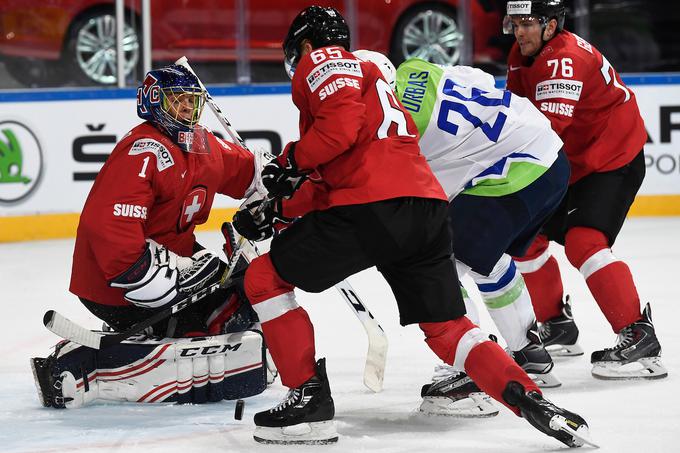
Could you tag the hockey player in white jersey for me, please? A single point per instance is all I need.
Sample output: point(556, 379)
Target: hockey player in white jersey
point(503, 170)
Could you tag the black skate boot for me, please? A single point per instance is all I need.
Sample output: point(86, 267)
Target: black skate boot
point(560, 334)
point(305, 416)
point(637, 342)
point(453, 393)
point(47, 383)
point(535, 360)
point(565, 426)
point(48, 375)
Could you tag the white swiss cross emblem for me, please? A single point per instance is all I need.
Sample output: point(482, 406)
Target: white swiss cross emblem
point(193, 203)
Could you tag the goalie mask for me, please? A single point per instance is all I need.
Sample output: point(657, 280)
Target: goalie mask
point(321, 26)
point(172, 99)
point(541, 10)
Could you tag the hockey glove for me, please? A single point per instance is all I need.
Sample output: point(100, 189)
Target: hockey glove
point(259, 226)
point(159, 276)
point(281, 175)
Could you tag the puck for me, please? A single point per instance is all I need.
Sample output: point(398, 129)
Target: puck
point(238, 411)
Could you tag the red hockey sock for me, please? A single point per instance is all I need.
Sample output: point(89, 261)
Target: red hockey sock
point(615, 293)
point(290, 339)
point(492, 369)
point(288, 332)
point(542, 277)
point(608, 279)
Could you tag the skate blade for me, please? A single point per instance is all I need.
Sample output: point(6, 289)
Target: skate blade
point(647, 368)
point(545, 380)
point(316, 433)
point(564, 350)
point(477, 405)
point(580, 436)
point(36, 379)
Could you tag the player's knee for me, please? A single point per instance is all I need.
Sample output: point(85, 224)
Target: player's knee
point(262, 282)
point(581, 243)
point(443, 337)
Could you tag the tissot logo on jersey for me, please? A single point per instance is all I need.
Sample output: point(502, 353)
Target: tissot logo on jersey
point(559, 88)
point(163, 157)
point(322, 72)
point(337, 84)
point(558, 108)
point(129, 210)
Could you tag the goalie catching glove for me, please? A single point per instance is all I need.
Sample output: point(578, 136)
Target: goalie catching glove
point(259, 225)
point(281, 175)
point(159, 275)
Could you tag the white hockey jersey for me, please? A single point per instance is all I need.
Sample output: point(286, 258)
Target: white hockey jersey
point(476, 138)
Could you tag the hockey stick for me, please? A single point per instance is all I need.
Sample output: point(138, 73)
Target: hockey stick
point(374, 371)
point(69, 330)
point(376, 356)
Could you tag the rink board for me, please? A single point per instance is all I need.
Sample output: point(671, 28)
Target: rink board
point(64, 136)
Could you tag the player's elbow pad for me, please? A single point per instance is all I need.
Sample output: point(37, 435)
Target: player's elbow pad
point(152, 281)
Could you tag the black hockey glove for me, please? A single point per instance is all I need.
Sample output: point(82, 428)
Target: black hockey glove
point(259, 226)
point(281, 175)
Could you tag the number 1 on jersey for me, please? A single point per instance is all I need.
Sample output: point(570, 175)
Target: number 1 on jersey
point(142, 173)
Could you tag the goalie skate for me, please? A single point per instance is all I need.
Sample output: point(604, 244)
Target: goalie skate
point(636, 354)
point(560, 334)
point(454, 394)
point(305, 416)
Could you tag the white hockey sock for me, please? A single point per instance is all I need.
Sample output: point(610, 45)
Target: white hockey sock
point(508, 301)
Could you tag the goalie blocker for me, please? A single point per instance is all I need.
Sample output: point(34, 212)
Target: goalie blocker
point(152, 370)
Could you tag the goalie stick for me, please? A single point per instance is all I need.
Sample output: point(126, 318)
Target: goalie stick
point(376, 357)
point(69, 330)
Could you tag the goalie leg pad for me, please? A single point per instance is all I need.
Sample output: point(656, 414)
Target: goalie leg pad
point(185, 370)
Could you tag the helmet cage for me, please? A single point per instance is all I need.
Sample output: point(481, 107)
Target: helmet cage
point(177, 101)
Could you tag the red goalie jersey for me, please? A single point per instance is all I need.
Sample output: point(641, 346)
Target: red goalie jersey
point(590, 108)
point(150, 188)
point(354, 135)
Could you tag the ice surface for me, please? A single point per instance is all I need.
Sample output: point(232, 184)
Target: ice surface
point(623, 416)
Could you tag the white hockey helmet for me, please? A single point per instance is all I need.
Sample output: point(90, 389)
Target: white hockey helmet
point(383, 63)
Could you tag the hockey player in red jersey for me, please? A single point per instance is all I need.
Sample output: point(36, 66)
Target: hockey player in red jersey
point(135, 252)
point(598, 119)
point(375, 203)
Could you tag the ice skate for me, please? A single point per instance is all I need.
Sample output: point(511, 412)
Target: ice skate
point(453, 393)
point(535, 360)
point(560, 334)
point(567, 427)
point(305, 416)
point(636, 355)
point(48, 379)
